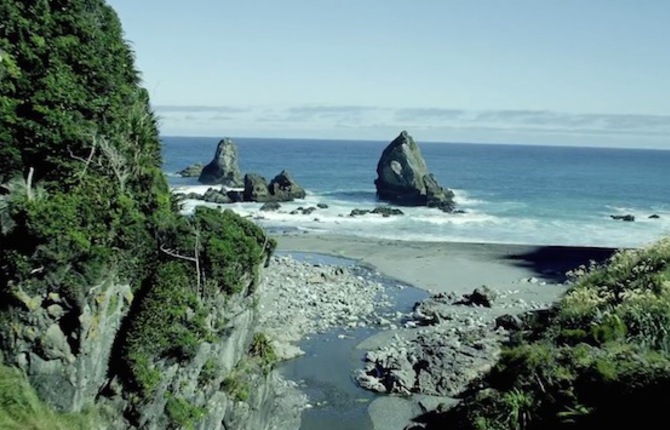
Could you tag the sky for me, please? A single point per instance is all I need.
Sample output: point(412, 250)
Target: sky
point(559, 72)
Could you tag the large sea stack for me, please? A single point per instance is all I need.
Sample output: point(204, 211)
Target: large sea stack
point(223, 169)
point(403, 177)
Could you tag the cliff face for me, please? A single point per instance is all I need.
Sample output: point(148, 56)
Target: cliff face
point(63, 349)
point(69, 355)
point(224, 386)
point(110, 301)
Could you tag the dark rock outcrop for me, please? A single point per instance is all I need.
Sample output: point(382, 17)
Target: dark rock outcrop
point(481, 296)
point(654, 216)
point(283, 188)
point(235, 196)
point(270, 206)
point(192, 171)
point(358, 212)
point(322, 206)
point(387, 211)
point(216, 196)
point(223, 169)
point(627, 217)
point(403, 177)
point(256, 188)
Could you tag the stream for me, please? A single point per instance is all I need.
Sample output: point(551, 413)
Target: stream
point(325, 371)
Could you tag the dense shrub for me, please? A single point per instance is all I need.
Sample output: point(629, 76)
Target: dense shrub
point(169, 320)
point(83, 197)
point(604, 359)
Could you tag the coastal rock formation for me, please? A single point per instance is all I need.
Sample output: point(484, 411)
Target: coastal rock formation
point(626, 218)
point(270, 206)
point(282, 188)
point(403, 177)
point(452, 346)
point(216, 196)
point(223, 169)
point(192, 171)
point(256, 188)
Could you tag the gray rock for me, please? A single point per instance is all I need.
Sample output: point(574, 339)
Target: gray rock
point(627, 217)
point(509, 322)
point(216, 196)
point(387, 211)
point(654, 216)
point(223, 169)
point(403, 177)
point(438, 197)
point(256, 189)
point(270, 206)
point(322, 206)
point(284, 188)
point(481, 296)
point(358, 212)
point(55, 311)
point(54, 344)
point(192, 171)
point(235, 196)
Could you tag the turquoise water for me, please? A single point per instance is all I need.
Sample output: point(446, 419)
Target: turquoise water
point(511, 193)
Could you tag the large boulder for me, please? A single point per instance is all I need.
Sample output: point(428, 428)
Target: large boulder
point(223, 169)
point(284, 188)
point(403, 177)
point(192, 171)
point(256, 188)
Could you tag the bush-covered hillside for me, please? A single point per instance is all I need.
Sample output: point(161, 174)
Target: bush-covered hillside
point(604, 359)
point(79, 153)
point(83, 199)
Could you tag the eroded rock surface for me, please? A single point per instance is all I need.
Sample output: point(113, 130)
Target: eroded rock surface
point(403, 177)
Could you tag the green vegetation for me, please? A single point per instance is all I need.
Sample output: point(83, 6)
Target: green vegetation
point(21, 409)
point(182, 414)
point(261, 355)
point(237, 383)
point(79, 150)
point(83, 197)
point(604, 359)
point(262, 349)
point(210, 370)
point(170, 320)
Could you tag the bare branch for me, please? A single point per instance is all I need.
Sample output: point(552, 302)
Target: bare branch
point(172, 253)
point(29, 183)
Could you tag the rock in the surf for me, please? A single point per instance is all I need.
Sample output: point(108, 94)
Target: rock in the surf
point(223, 169)
point(403, 177)
point(283, 188)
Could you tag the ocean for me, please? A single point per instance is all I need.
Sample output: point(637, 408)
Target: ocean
point(517, 194)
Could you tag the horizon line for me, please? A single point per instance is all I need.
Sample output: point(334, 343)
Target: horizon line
point(431, 142)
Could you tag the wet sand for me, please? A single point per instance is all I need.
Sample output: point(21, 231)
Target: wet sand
point(451, 266)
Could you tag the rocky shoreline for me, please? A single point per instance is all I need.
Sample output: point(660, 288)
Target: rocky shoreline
point(301, 298)
point(427, 356)
point(448, 342)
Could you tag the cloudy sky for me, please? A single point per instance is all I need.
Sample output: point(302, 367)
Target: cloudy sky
point(565, 72)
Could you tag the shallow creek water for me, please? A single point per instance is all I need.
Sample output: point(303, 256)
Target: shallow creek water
point(325, 371)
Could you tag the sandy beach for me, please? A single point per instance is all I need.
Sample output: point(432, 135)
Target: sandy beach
point(451, 266)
